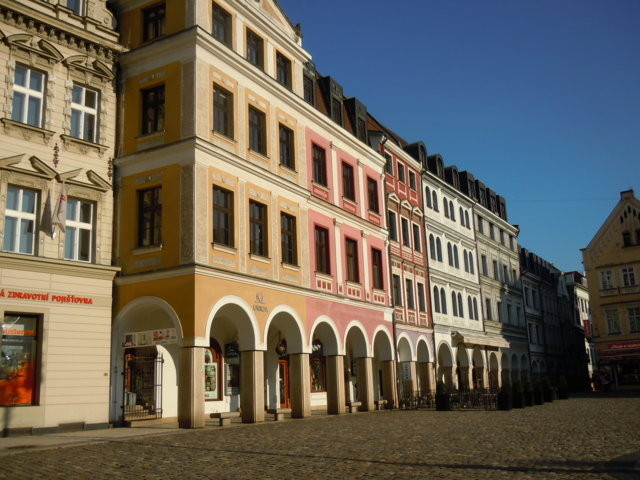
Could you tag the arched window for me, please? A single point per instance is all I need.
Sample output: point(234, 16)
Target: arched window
point(432, 247)
point(318, 367)
point(470, 307)
point(452, 211)
point(449, 254)
point(436, 299)
point(475, 309)
point(456, 263)
point(466, 219)
point(427, 196)
point(435, 201)
point(454, 304)
point(461, 216)
point(446, 206)
point(443, 301)
point(471, 268)
point(466, 261)
point(439, 249)
point(460, 306)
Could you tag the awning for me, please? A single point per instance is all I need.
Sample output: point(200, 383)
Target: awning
point(480, 339)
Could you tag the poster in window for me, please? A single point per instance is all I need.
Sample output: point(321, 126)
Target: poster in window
point(18, 360)
point(211, 391)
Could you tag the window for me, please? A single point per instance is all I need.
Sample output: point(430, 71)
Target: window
point(460, 306)
point(492, 232)
point(308, 86)
point(319, 165)
point(470, 307)
point(461, 212)
point(153, 110)
point(511, 242)
point(212, 373)
point(436, 300)
point(28, 96)
point(336, 110)
point(19, 337)
point(502, 236)
point(480, 224)
point(427, 196)
point(466, 261)
point(456, 263)
point(606, 279)
point(393, 227)
point(432, 247)
point(628, 277)
point(223, 216)
point(412, 180)
point(475, 309)
point(466, 220)
point(78, 230)
point(283, 70)
point(317, 367)
point(397, 291)
point(150, 217)
point(509, 313)
point(422, 304)
point(372, 195)
point(446, 206)
point(75, 5)
point(221, 25)
point(505, 274)
point(487, 302)
point(409, 288)
point(258, 240)
point(257, 131)
point(417, 245)
point(388, 166)
point(406, 237)
point(351, 249)
point(435, 201)
point(287, 151)
point(443, 301)
point(288, 239)
point(255, 50)
point(376, 264)
point(323, 264)
point(499, 309)
point(450, 254)
point(84, 113)
point(20, 220)
point(483, 262)
point(401, 176)
point(496, 272)
point(634, 319)
point(348, 182)
point(472, 269)
point(613, 323)
point(153, 20)
point(222, 111)
point(454, 304)
point(439, 249)
point(452, 211)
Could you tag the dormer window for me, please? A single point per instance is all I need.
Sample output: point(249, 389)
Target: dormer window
point(336, 110)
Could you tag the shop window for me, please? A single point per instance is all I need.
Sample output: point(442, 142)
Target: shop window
point(28, 96)
point(257, 131)
point(221, 25)
point(372, 195)
point(212, 377)
point(152, 110)
point(222, 111)
point(258, 229)
point(223, 216)
point(20, 220)
point(153, 21)
point(283, 70)
point(287, 151)
point(255, 49)
point(318, 367)
point(288, 239)
point(231, 369)
point(78, 243)
point(323, 263)
point(150, 217)
point(351, 248)
point(376, 262)
point(19, 360)
point(84, 113)
point(348, 182)
point(319, 165)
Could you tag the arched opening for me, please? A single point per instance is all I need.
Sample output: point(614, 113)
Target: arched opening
point(445, 366)
point(384, 375)
point(426, 380)
point(356, 349)
point(406, 368)
point(479, 370)
point(323, 378)
point(463, 371)
point(494, 371)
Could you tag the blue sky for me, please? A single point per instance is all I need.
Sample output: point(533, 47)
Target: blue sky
point(539, 99)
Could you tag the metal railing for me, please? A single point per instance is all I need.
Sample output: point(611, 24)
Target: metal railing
point(478, 399)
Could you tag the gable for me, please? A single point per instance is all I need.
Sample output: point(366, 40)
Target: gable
point(273, 10)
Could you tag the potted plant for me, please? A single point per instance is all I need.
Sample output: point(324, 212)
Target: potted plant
point(443, 401)
point(504, 397)
point(563, 388)
point(528, 393)
point(547, 393)
point(517, 394)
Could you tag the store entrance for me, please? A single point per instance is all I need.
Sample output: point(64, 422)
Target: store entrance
point(283, 374)
point(142, 384)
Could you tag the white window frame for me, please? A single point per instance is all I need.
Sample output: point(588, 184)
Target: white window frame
point(74, 227)
point(606, 279)
point(21, 216)
point(406, 238)
point(611, 318)
point(78, 9)
point(417, 244)
point(84, 111)
point(628, 276)
point(28, 93)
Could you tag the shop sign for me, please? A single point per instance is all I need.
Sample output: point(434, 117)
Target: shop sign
point(164, 336)
point(45, 297)
point(231, 350)
point(618, 346)
point(406, 370)
point(260, 305)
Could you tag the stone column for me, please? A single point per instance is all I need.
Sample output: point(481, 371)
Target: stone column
point(431, 368)
point(300, 387)
point(191, 390)
point(335, 384)
point(365, 383)
point(485, 377)
point(389, 383)
point(252, 386)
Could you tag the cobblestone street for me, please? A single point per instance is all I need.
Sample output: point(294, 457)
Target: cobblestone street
point(580, 438)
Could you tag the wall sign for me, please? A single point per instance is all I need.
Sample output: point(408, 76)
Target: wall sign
point(164, 336)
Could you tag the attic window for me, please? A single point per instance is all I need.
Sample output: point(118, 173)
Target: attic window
point(309, 87)
point(336, 110)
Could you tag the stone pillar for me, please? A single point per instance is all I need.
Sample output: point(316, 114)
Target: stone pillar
point(485, 377)
point(300, 387)
point(431, 369)
point(469, 377)
point(252, 386)
point(389, 383)
point(365, 383)
point(335, 384)
point(191, 390)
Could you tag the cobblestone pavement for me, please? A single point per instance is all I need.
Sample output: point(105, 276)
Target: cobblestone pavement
point(580, 438)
